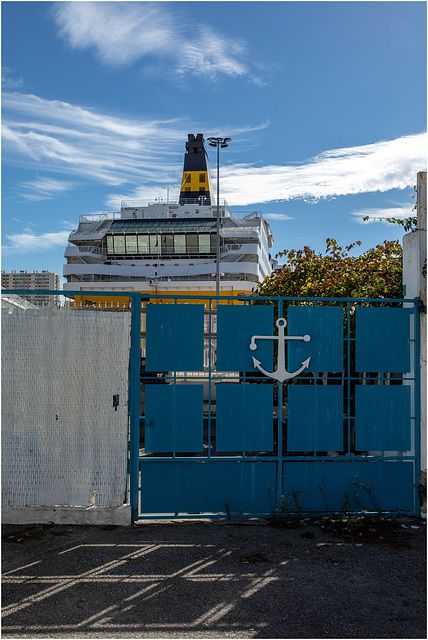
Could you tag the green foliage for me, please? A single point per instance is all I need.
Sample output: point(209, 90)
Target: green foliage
point(377, 273)
point(409, 224)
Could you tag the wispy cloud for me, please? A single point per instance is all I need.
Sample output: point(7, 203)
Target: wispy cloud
point(121, 33)
point(77, 141)
point(213, 56)
point(277, 216)
point(72, 140)
point(384, 165)
point(29, 241)
point(8, 79)
point(44, 188)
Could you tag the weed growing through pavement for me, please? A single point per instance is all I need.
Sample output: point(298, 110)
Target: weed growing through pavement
point(362, 524)
point(369, 490)
point(288, 510)
point(228, 511)
point(353, 522)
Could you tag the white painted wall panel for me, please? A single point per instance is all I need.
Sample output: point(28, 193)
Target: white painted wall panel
point(62, 441)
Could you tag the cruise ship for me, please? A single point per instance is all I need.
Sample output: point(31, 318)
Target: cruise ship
point(169, 247)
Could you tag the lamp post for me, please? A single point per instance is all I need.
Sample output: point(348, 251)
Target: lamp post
point(223, 143)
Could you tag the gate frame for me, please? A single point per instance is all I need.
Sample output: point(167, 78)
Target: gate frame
point(135, 461)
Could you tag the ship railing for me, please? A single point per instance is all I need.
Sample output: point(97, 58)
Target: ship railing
point(200, 201)
point(153, 280)
point(244, 230)
point(96, 250)
point(241, 215)
point(136, 204)
point(235, 277)
point(236, 219)
point(226, 248)
point(100, 217)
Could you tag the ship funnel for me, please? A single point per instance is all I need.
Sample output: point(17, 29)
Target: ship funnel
point(196, 181)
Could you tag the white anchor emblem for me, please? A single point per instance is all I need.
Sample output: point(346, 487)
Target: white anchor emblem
point(281, 372)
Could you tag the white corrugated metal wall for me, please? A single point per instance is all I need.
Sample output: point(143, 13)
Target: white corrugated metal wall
point(63, 443)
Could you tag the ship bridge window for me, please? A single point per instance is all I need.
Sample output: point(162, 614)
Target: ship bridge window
point(155, 243)
point(204, 243)
point(119, 244)
point(143, 244)
point(161, 243)
point(167, 242)
point(192, 243)
point(131, 244)
point(188, 178)
point(202, 177)
point(179, 243)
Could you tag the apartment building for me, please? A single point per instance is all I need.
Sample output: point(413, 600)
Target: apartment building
point(44, 281)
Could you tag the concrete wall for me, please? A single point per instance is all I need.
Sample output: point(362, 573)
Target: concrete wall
point(64, 446)
point(415, 282)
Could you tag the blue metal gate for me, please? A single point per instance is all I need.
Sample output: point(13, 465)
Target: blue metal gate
point(238, 404)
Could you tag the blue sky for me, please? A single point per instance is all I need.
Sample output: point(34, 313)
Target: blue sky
point(325, 103)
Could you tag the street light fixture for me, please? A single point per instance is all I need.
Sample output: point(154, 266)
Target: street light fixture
point(223, 143)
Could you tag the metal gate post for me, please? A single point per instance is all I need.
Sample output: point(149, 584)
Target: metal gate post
point(134, 408)
point(417, 395)
point(279, 475)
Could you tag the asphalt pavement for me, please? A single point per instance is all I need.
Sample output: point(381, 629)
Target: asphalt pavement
point(211, 579)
